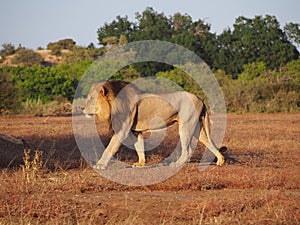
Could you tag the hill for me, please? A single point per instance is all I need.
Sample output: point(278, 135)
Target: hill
point(46, 55)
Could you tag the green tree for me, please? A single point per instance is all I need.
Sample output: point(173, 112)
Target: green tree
point(254, 40)
point(118, 27)
point(226, 58)
point(293, 32)
point(182, 28)
point(194, 35)
point(152, 25)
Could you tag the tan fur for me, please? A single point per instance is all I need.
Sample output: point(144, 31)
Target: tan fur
point(128, 109)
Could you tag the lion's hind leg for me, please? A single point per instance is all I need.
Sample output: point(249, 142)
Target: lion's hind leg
point(186, 131)
point(140, 149)
point(211, 146)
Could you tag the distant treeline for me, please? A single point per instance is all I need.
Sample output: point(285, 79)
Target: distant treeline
point(257, 63)
point(260, 39)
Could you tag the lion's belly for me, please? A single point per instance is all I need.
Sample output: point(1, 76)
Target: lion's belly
point(154, 113)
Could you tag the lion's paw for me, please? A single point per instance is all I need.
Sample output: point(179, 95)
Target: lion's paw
point(220, 161)
point(99, 167)
point(138, 164)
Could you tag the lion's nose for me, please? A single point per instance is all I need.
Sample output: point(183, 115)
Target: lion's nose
point(82, 107)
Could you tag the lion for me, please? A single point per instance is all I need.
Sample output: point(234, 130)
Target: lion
point(127, 109)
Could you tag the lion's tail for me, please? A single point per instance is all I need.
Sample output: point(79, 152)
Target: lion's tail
point(206, 121)
point(207, 141)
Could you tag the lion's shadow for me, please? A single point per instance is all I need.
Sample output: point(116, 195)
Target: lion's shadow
point(62, 152)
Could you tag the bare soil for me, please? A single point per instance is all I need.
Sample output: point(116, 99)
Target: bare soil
point(259, 183)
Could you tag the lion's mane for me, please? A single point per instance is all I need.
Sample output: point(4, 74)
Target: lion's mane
point(118, 103)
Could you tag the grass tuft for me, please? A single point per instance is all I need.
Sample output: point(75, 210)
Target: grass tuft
point(32, 168)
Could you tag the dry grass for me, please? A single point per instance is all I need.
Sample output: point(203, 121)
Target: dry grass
point(258, 185)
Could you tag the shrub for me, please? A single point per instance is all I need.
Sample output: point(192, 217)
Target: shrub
point(79, 54)
point(9, 94)
point(27, 57)
point(261, 96)
point(284, 102)
point(47, 82)
point(56, 47)
point(37, 107)
point(253, 70)
point(55, 50)
point(7, 49)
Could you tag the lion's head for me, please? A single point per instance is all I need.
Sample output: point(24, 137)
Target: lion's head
point(101, 100)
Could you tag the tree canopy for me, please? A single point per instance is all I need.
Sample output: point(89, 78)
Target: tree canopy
point(254, 40)
point(260, 39)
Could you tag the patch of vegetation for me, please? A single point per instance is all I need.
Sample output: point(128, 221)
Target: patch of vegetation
point(32, 168)
point(57, 47)
point(27, 57)
point(54, 107)
point(10, 100)
point(7, 50)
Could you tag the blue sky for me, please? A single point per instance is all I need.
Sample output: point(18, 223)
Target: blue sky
point(35, 23)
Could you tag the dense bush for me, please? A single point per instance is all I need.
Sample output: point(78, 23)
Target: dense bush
point(259, 90)
point(27, 57)
point(256, 90)
point(45, 83)
point(80, 54)
point(9, 94)
point(56, 47)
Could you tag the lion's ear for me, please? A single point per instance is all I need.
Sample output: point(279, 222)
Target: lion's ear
point(99, 89)
point(102, 91)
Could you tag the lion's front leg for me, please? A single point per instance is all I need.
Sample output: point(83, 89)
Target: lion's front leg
point(108, 153)
point(140, 149)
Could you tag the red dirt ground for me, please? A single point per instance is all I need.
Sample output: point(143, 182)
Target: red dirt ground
point(259, 183)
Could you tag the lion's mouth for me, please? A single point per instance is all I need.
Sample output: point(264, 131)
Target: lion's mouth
point(87, 115)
